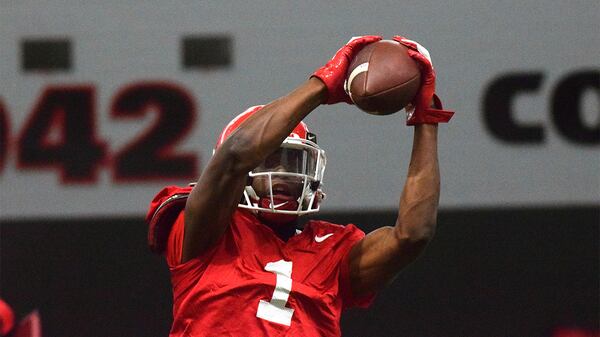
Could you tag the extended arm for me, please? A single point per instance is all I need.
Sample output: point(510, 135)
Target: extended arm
point(376, 259)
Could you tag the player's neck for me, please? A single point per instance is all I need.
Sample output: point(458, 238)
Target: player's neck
point(284, 232)
point(284, 226)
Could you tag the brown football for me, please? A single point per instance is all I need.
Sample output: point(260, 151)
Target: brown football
point(382, 79)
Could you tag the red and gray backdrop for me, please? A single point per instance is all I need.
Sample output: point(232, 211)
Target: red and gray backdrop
point(103, 103)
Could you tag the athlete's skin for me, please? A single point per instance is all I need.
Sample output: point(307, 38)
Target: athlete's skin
point(378, 257)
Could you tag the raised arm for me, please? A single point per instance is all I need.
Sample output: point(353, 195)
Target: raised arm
point(376, 259)
point(214, 198)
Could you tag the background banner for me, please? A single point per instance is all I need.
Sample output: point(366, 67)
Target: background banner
point(101, 104)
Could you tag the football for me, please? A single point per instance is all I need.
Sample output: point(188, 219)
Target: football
point(382, 78)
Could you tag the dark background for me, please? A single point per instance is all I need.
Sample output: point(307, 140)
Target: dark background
point(487, 273)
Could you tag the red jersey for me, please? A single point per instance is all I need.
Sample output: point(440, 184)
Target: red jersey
point(252, 283)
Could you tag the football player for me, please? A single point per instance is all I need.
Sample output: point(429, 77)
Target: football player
point(239, 264)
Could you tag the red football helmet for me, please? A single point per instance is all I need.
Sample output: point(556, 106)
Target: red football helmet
point(298, 163)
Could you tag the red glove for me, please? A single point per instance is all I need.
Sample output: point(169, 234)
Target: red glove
point(420, 111)
point(333, 74)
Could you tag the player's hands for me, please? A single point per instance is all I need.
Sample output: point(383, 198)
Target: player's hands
point(333, 74)
point(426, 108)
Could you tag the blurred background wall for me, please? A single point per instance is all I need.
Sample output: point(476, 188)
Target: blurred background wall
point(103, 103)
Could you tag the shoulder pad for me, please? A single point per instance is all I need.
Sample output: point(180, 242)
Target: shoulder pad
point(163, 211)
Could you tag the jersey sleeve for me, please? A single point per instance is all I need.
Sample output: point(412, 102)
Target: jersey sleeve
point(162, 213)
point(174, 247)
point(348, 299)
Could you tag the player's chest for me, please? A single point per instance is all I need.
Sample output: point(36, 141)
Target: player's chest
point(303, 265)
point(303, 262)
point(275, 286)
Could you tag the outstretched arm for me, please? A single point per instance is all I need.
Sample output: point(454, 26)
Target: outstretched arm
point(377, 258)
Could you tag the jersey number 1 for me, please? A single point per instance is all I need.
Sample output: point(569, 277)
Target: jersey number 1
point(275, 310)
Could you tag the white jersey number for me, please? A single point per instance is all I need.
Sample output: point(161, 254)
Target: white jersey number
point(275, 310)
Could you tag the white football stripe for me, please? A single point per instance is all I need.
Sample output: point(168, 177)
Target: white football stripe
point(358, 70)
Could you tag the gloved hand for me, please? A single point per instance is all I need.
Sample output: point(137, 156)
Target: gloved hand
point(333, 74)
point(426, 108)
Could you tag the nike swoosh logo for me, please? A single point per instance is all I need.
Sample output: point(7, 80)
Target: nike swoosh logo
point(279, 205)
point(322, 238)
